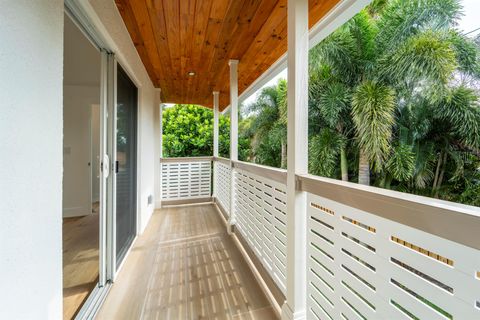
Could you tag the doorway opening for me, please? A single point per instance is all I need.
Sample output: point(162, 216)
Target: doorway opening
point(81, 174)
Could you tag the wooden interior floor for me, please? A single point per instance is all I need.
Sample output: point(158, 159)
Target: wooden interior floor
point(185, 266)
point(80, 260)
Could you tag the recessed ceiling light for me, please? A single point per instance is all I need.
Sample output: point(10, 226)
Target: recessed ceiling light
point(191, 73)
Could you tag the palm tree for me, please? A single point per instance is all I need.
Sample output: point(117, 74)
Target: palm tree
point(269, 125)
point(373, 115)
point(330, 100)
point(388, 55)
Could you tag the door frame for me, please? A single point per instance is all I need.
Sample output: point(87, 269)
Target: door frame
point(84, 16)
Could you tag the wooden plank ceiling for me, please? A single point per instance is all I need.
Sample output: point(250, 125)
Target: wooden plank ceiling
point(175, 37)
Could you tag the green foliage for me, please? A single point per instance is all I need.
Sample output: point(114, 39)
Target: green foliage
point(402, 19)
point(460, 109)
point(412, 109)
point(401, 164)
point(269, 126)
point(424, 56)
point(334, 99)
point(188, 132)
point(466, 52)
point(323, 152)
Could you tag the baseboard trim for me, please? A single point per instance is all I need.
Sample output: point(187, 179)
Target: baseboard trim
point(178, 202)
point(221, 209)
point(73, 212)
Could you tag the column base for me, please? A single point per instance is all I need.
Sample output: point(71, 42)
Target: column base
point(288, 314)
point(231, 225)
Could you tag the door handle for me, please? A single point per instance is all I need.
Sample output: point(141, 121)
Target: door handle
point(116, 166)
point(105, 167)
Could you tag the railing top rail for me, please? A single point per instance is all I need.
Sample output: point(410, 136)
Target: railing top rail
point(222, 160)
point(453, 221)
point(186, 159)
point(276, 174)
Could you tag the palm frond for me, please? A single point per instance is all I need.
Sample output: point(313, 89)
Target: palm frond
point(467, 53)
point(333, 100)
point(324, 151)
point(282, 101)
point(338, 51)
point(401, 163)
point(461, 109)
point(373, 108)
point(424, 57)
point(402, 19)
point(424, 164)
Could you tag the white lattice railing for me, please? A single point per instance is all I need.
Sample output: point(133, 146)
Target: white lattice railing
point(260, 205)
point(185, 179)
point(363, 266)
point(221, 185)
point(371, 253)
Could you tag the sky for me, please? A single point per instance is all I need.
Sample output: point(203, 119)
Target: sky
point(471, 19)
point(282, 74)
point(469, 22)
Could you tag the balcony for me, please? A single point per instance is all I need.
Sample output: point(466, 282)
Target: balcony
point(211, 237)
point(370, 253)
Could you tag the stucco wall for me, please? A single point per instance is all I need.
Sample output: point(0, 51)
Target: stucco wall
point(113, 29)
point(31, 64)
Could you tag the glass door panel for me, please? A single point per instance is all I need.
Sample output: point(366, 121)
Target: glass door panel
point(126, 166)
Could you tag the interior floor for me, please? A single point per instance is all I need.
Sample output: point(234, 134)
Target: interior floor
point(185, 266)
point(80, 260)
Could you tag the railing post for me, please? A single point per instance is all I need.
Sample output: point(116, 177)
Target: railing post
point(215, 123)
point(233, 134)
point(160, 152)
point(297, 160)
point(158, 202)
point(215, 138)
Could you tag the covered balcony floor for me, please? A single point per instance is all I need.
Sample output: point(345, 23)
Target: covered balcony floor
point(186, 266)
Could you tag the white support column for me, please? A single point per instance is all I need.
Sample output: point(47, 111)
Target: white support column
point(161, 129)
point(233, 109)
point(160, 151)
point(215, 138)
point(295, 306)
point(233, 134)
point(215, 123)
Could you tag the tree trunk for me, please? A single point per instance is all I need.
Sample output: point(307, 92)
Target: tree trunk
point(363, 169)
point(437, 172)
point(388, 182)
point(344, 164)
point(440, 178)
point(283, 161)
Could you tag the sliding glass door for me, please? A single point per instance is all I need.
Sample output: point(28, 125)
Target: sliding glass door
point(116, 173)
point(125, 165)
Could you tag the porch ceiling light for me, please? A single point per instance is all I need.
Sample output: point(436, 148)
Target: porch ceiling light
point(191, 73)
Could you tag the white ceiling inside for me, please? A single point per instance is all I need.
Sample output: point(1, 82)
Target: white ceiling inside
point(81, 59)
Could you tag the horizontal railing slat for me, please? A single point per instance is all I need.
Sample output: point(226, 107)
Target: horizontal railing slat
point(448, 220)
point(181, 160)
point(275, 174)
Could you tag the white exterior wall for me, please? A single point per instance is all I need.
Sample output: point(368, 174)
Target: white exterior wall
point(107, 19)
point(31, 64)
